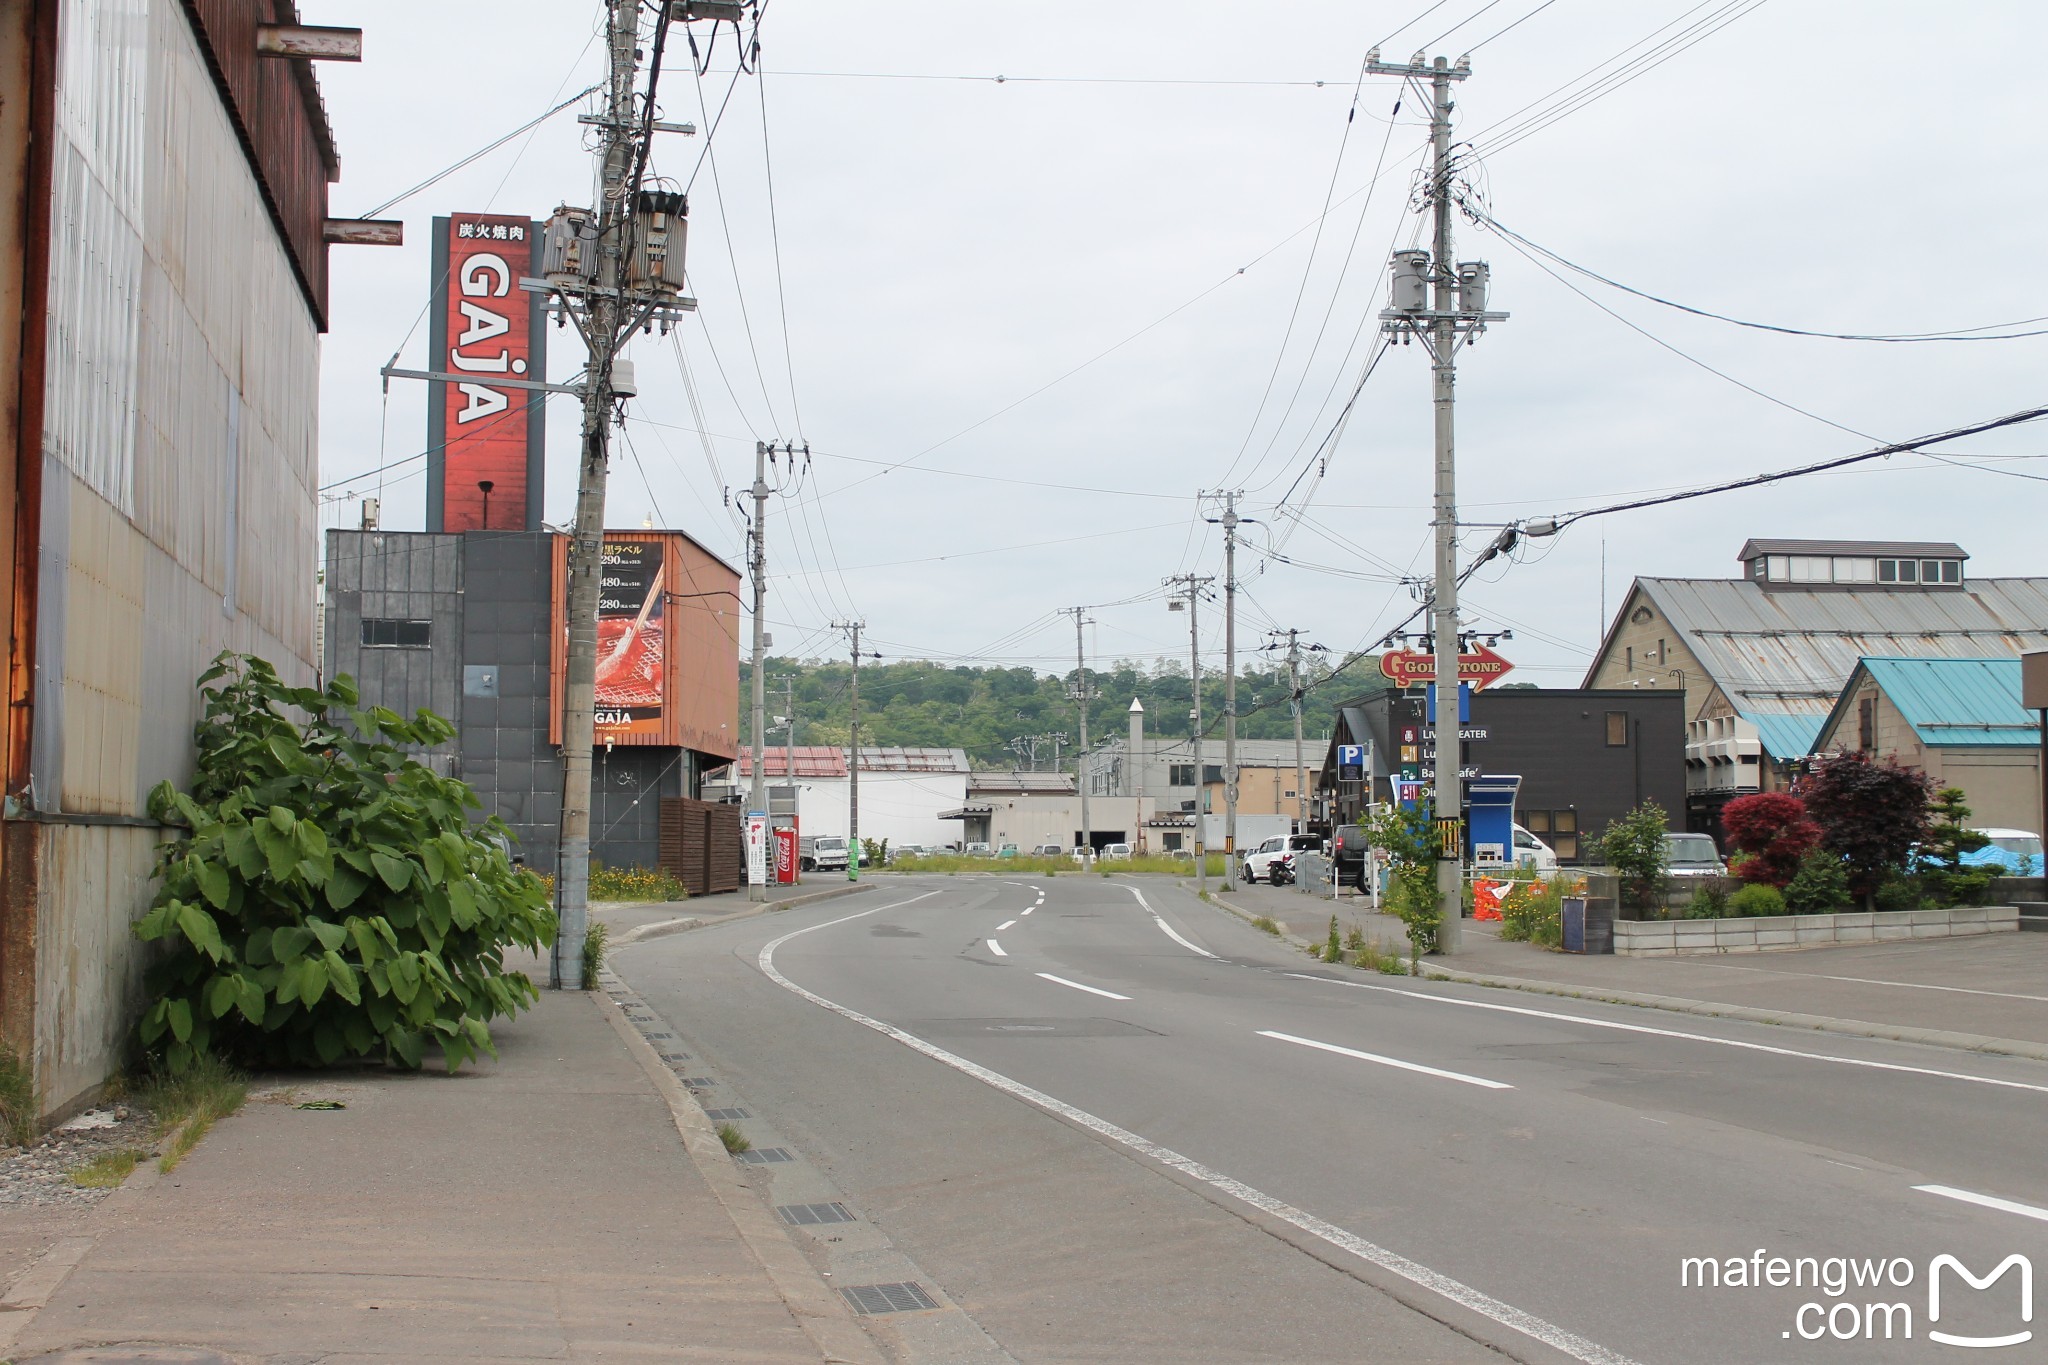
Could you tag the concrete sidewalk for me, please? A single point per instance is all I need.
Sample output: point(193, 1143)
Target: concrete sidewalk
point(545, 1206)
point(1988, 993)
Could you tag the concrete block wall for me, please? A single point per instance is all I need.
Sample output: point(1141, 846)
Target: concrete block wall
point(1676, 938)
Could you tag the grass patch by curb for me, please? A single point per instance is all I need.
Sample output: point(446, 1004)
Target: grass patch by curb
point(105, 1171)
point(1268, 924)
point(735, 1141)
point(186, 1106)
point(596, 937)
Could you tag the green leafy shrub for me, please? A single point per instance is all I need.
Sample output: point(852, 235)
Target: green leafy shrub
point(635, 884)
point(1900, 893)
point(1634, 847)
point(1757, 900)
point(1709, 899)
point(1408, 838)
point(597, 937)
point(1533, 912)
point(1949, 838)
point(332, 898)
point(1820, 887)
point(1333, 951)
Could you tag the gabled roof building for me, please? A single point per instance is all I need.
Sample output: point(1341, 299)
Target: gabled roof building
point(1762, 658)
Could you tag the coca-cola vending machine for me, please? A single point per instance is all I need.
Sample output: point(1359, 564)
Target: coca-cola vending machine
point(785, 856)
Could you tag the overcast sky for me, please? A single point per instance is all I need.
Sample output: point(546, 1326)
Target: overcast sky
point(952, 246)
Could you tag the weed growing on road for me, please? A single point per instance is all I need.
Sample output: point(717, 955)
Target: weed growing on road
point(1373, 956)
point(105, 1171)
point(190, 1102)
point(735, 1141)
point(595, 937)
point(1333, 951)
point(1266, 922)
point(1354, 940)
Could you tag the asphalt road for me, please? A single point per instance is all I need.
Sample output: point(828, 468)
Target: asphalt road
point(1116, 1124)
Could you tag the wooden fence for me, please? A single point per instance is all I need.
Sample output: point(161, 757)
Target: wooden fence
point(702, 844)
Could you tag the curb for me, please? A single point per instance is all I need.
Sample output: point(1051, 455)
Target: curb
point(663, 928)
point(816, 1306)
point(1673, 1004)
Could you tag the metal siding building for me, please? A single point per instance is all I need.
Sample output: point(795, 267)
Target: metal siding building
point(162, 293)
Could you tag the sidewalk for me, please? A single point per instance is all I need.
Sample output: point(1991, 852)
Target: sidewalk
point(1988, 993)
point(541, 1207)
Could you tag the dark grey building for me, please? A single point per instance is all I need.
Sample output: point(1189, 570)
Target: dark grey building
point(460, 624)
point(1585, 755)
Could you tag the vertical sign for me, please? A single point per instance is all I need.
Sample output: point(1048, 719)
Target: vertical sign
point(485, 327)
point(637, 638)
point(757, 848)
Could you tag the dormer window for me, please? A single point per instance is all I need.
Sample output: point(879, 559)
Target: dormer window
point(1922, 571)
point(1853, 564)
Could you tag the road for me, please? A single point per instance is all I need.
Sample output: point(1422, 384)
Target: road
point(1113, 1123)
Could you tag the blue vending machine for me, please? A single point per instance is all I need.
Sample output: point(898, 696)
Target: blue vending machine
point(1490, 823)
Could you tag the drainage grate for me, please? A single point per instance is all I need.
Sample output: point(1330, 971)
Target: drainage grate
point(696, 1082)
point(906, 1297)
point(673, 1057)
point(764, 1156)
point(804, 1215)
point(726, 1115)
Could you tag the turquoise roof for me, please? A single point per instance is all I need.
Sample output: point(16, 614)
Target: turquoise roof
point(1786, 734)
point(1951, 702)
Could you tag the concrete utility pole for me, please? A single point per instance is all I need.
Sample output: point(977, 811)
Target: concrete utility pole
point(757, 561)
point(853, 629)
point(1455, 307)
point(1230, 521)
point(1081, 698)
point(788, 681)
point(1294, 704)
point(1193, 594)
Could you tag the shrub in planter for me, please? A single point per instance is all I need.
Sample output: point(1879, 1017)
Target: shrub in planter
point(1901, 893)
point(1820, 887)
point(1870, 814)
point(332, 898)
point(1772, 832)
point(1758, 899)
point(1534, 912)
point(1709, 899)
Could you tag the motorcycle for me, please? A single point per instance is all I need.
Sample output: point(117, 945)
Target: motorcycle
point(1280, 873)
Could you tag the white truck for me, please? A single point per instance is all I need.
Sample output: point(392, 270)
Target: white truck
point(821, 853)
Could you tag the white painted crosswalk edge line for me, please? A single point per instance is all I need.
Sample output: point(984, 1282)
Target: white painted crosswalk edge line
point(996, 948)
point(1506, 1314)
point(1108, 995)
point(1171, 932)
point(1680, 1034)
point(1004, 925)
point(1387, 1061)
point(1986, 1201)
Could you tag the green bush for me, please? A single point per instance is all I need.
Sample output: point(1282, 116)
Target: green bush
point(1409, 839)
point(1900, 893)
point(634, 884)
point(1757, 900)
point(1819, 887)
point(332, 897)
point(1534, 913)
point(1709, 899)
point(1634, 847)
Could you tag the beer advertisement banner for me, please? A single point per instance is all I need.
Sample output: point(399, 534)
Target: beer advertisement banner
point(484, 440)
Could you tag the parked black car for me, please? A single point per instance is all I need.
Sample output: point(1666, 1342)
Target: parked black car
point(1347, 851)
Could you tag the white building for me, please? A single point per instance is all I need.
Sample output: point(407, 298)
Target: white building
point(902, 791)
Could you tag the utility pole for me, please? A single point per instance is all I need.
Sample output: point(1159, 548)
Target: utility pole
point(1193, 594)
point(1294, 704)
point(1440, 301)
point(853, 629)
point(788, 681)
point(1081, 698)
point(757, 561)
point(614, 271)
point(1230, 521)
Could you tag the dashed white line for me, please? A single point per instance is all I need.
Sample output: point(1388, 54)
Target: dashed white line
point(996, 948)
point(1985, 1201)
point(1004, 925)
point(1480, 1081)
point(1061, 980)
point(1683, 1036)
point(1029, 909)
point(1506, 1314)
point(1171, 932)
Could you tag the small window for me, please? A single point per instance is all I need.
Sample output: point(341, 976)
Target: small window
point(1930, 571)
point(1866, 724)
point(1780, 568)
point(1181, 775)
point(1887, 570)
point(1909, 571)
point(1566, 847)
point(1951, 570)
point(385, 633)
point(1536, 821)
point(1565, 821)
point(1855, 571)
point(1617, 729)
point(1630, 655)
point(1663, 656)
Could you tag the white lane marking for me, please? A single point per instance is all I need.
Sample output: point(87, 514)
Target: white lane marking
point(1873, 981)
point(1108, 995)
point(1387, 1061)
point(1029, 909)
point(1004, 925)
point(996, 948)
point(1985, 1200)
point(1687, 1037)
point(1171, 932)
point(1528, 1324)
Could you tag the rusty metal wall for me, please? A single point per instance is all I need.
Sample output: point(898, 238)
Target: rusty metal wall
point(91, 880)
point(281, 124)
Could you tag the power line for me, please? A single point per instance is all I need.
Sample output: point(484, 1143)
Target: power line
point(1510, 28)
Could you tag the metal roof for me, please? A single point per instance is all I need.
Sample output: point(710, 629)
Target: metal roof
point(1885, 549)
point(1020, 784)
point(892, 759)
point(812, 760)
point(1782, 656)
point(1955, 702)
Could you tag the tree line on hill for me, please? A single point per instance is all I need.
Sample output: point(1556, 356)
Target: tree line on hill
point(995, 713)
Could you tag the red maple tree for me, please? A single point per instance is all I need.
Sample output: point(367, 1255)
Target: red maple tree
point(1773, 832)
